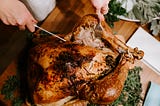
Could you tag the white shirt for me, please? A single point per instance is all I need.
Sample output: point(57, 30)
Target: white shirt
point(40, 8)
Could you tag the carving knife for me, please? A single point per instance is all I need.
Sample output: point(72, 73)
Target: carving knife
point(49, 33)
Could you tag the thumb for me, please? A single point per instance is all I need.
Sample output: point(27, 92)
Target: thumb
point(100, 15)
point(30, 25)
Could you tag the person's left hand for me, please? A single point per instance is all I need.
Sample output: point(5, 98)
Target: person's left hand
point(14, 12)
point(101, 7)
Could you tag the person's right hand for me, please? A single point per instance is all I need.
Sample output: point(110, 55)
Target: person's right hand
point(14, 12)
point(101, 7)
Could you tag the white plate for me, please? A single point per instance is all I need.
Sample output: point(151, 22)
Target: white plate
point(145, 41)
point(127, 19)
point(128, 5)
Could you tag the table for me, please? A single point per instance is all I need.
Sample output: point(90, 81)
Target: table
point(63, 18)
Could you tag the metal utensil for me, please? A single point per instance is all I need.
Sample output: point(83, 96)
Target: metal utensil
point(49, 33)
point(99, 29)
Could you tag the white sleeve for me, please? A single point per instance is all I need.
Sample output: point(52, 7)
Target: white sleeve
point(40, 8)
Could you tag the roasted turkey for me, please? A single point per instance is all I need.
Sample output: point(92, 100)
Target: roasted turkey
point(91, 66)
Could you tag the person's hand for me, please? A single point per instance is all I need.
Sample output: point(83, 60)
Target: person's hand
point(14, 12)
point(101, 7)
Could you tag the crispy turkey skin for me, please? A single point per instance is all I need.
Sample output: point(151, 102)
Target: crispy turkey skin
point(90, 66)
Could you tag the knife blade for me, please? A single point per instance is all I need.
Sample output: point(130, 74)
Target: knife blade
point(49, 32)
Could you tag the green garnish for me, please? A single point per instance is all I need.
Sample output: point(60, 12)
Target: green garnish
point(8, 89)
point(147, 11)
point(10, 85)
point(115, 10)
point(17, 101)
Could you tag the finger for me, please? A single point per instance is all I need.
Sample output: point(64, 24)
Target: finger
point(30, 25)
point(31, 22)
point(104, 10)
point(21, 23)
point(22, 27)
point(31, 18)
point(4, 20)
point(34, 21)
point(100, 15)
point(13, 22)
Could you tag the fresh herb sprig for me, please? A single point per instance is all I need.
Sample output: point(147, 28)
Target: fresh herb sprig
point(8, 89)
point(17, 101)
point(115, 10)
point(10, 85)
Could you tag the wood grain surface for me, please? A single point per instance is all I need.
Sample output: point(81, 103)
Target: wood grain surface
point(62, 20)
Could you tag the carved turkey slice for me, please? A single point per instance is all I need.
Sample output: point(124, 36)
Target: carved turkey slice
point(90, 66)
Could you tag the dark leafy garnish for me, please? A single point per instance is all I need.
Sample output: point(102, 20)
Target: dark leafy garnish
point(115, 9)
point(17, 101)
point(8, 89)
point(9, 86)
